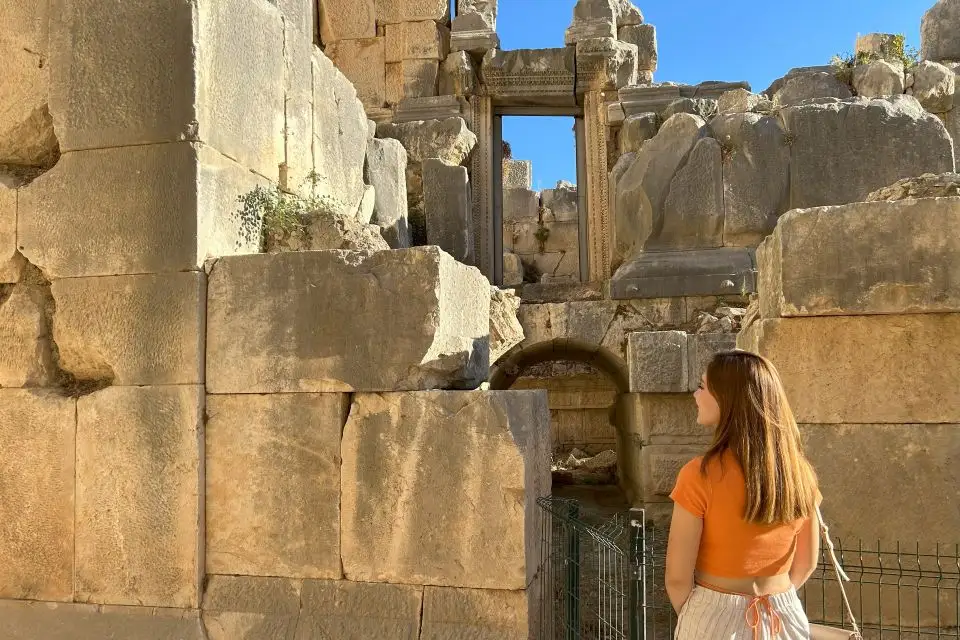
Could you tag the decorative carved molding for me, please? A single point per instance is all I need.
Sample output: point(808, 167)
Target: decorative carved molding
point(598, 204)
point(481, 182)
point(541, 75)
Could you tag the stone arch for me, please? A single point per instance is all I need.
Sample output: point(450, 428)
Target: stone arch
point(511, 365)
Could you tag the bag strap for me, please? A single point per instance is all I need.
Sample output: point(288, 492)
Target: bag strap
point(838, 570)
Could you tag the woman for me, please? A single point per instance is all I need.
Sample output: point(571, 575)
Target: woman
point(744, 534)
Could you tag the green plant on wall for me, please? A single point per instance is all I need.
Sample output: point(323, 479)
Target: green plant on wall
point(894, 49)
point(542, 234)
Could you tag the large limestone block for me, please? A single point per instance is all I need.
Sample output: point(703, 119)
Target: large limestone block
point(531, 76)
point(424, 40)
point(295, 339)
point(701, 348)
point(636, 130)
point(605, 63)
point(38, 430)
point(359, 610)
point(240, 89)
point(458, 75)
point(23, 620)
point(562, 202)
point(478, 614)
point(324, 231)
point(420, 505)
point(138, 500)
point(661, 466)
point(669, 418)
point(738, 101)
point(756, 176)
point(842, 151)
point(340, 132)
point(939, 38)
point(687, 273)
point(10, 263)
point(592, 19)
point(221, 229)
point(658, 361)
point(448, 208)
point(26, 356)
point(363, 62)
point(131, 330)
point(911, 471)
point(250, 608)
point(912, 363)
point(394, 11)
point(412, 79)
point(487, 9)
point(449, 140)
point(512, 277)
point(879, 78)
point(27, 136)
point(693, 210)
point(386, 171)
point(297, 171)
point(150, 94)
point(933, 86)
point(642, 190)
point(864, 258)
point(644, 36)
point(517, 174)
point(928, 185)
point(347, 20)
point(506, 331)
point(543, 237)
point(273, 484)
point(521, 204)
point(807, 86)
point(471, 33)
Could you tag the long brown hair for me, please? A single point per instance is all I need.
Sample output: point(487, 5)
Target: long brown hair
point(758, 428)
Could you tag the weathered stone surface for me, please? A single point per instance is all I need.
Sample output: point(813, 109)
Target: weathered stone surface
point(738, 101)
point(412, 79)
point(615, 114)
point(605, 63)
point(449, 140)
point(806, 86)
point(929, 185)
point(693, 210)
point(911, 361)
point(891, 138)
point(325, 231)
point(138, 502)
point(636, 130)
point(479, 614)
point(710, 89)
point(644, 36)
point(543, 237)
point(563, 265)
point(512, 275)
point(24, 620)
point(359, 610)
point(347, 20)
point(10, 263)
point(471, 33)
point(592, 19)
point(131, 330)
point(458, 75)
point(933, 86)
point(486, 8)
point(907, 501)
point(429, 108)
point(642, 190)
point(385, 169)
point(756, 176)
point(273, 484)
point(637, 100)
point(779, 83)
point(662, 464)
point(531, 76)
point(365, 212)
point(340, 133)
point(658, 361)
point(26, 356)
point(505, 329)
point(825, 261)
point(520, 204)
point(561, 202)
point(701, 347)
point(409, 459)
point(425, 40)
point(448, 209)
point(36, 497)
point(517, 174)
point(243, 124)
point(295, 341)
point(702, 272)
point(363, 62)
point(668, 418)
point(875, 43)
point(249, 608)
point(703, 107)
point(879, 78)
point(394, 11)
point(939, 39)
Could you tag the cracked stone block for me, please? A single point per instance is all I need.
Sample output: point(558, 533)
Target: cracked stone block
point(458, 75)
point(10, 263)
point(658, 362)
point(273, 484)
point(385, 169)
point(693, 210)
point(250, 608)
point(347, 20)
point(425, 40)
point(359, 610)
point(131, 330)
point(67, 621)
point(449, 140)
point(487, 614)
point(38, 429)
point(521, 204)
point(879, 78)
point(26, 356)
point(810, 85)
point(419, 504)
point(448, 208)
point(933, 86)
point(363, 62)
point(296, 341)
point(644, 36)
point(412, 79)
point(138, 501)
point(939, 36)
point(912, 361)
point(505, 329)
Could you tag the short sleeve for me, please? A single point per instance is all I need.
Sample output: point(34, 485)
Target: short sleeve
point(690, 492)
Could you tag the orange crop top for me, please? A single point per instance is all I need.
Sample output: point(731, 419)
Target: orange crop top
point(731, 547)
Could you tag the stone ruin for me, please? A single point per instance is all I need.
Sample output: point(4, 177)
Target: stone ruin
point(257, 364)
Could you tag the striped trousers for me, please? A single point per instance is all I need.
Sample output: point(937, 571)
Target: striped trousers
point(712, 615)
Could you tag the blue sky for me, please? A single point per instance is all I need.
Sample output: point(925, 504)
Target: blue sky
point(701, 40)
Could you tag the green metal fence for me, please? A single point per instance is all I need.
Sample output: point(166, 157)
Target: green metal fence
point(603, 577)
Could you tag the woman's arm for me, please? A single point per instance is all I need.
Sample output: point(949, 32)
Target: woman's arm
point(682, 548)
point(808, 552)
